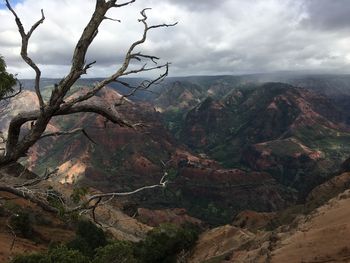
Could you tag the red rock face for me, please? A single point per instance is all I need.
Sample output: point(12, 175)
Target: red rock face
point(123, 159)
point(290, 133)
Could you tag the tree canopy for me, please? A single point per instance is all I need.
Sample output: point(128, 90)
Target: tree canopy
point(7, 80)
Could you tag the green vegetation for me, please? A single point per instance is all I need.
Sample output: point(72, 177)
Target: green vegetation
point(92, 234)
point(173, 121)
point(59, 254)
point(7, 80)
point(21, 223)
point(117, 251)
point(78, 194)
point(88, 238)
point(161, 245)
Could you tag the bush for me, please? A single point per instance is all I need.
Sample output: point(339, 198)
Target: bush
point(7, 80)
point(93, 235)
point(89, 237)
point(119, 251)
point(81, 245)
point(21, 224)
point(78, 193)
point(57, 255)
point(63, 254)
point(162, 244)
point(31, 258)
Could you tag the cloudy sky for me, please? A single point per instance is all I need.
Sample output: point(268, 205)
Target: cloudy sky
point(212, 37)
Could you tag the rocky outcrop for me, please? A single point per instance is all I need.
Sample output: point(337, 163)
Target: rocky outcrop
point(330, 188)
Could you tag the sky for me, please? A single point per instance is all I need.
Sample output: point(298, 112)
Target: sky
point(211, 38)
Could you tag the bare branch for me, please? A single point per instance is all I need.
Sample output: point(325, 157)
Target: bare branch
point(112, 19)
point(75, 131)
point(86, 205)
point(59, 133)
point(24, 49)
point(29, 196)
point(163, 25)
point(40, 21)
point(46, 176)
point(122, 71)
point(87, 66)
point(123, 4)
point(17, 146)
point(144, 69)
point(94, 106)
point(93, 210)
point(143, 86)
point(138, 57)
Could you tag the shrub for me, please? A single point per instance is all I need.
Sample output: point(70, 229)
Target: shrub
point(78, 193)
point(63, 254)
point(81, 245)
point(94, 236)
point(60, 254)
point(162, 244)
point(118, 251)
point(31, 258)
point(89, 237)
point(21, 224)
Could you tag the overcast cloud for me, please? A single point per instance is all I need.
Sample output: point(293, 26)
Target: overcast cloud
point(212, 37)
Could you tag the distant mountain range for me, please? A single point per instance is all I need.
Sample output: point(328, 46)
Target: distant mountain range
point(229, 143)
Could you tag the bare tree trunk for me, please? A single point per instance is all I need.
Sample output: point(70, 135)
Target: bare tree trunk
point(17, 147)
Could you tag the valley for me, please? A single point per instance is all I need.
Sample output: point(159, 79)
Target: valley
point(229, 145)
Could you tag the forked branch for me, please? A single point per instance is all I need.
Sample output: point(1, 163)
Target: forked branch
point(93, 201)
point(122, 71)
point(24, 49)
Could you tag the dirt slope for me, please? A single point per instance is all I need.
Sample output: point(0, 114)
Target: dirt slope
point(322, 236)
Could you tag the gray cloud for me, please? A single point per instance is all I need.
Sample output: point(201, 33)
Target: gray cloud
point(328, 15)
point(232, 36)
point(198, 5)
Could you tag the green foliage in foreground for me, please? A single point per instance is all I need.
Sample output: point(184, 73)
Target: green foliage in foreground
point(118, 251)
point(7, 81)
point(60, 254)
point(162, 244)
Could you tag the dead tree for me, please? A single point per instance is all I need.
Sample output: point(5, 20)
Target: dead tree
point(17, 145)
point(57, 104)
